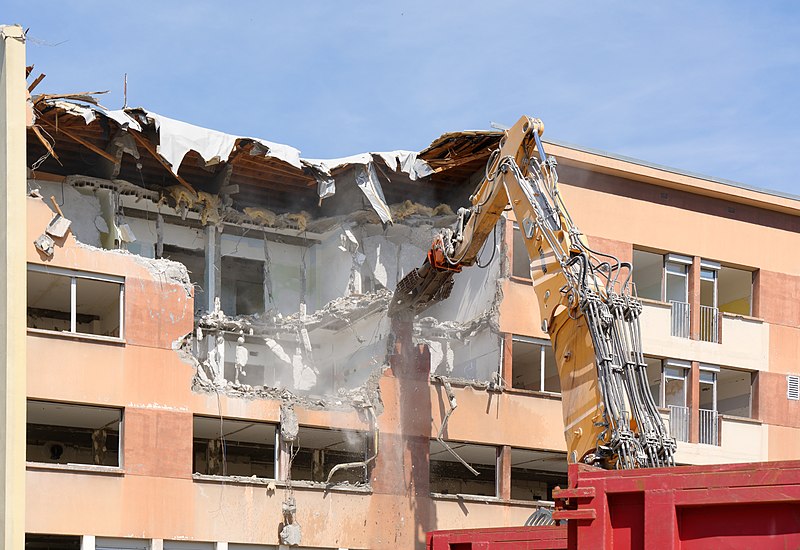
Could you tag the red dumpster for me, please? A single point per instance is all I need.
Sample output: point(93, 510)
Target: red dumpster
point(732, 506)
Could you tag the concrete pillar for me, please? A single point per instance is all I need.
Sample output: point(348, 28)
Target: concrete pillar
point(693, 392)
point(221, 546)
point(694, 299)
point(504, 472)
point(88, 542)
point(213, 267)
point(157, 544)
point(13, 224)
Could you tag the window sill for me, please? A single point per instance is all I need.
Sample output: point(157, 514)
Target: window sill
point(469, 498)
point(533, 393)
point(658, 303)
point(298, 484)
point(75, 468)
point(76, 336)
point(742, 419)
point(739, 316)
point(521, 280)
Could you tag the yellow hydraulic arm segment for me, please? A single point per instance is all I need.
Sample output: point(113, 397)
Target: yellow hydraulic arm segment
point(585, 301)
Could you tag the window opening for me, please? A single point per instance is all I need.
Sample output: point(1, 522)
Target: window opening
point(534, 474)
point(734, 392)
point(242, 286)
point(520, 261)
point(195, 263)
point(233, 447)
point(709, 423)
point(52, 542)
point(65, 301)
point(673, 397)
point(61, 433)
point(735, 291)
point(318, 451)
point(533, 365)
point(648, 272)
point(448, 476)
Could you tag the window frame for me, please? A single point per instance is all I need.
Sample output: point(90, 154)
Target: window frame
point(74, 275)
point(543, 343)
point(82, 466)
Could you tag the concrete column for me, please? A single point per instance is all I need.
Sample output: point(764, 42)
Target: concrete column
point(504, 472)
point(213, 267)
point(13, 226)
point(694, 299)
point(693, 392)
point(88, 542)
point(157, 544)
point(221, 546)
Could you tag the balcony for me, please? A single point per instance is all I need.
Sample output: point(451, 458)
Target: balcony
point(738, 439)
point(745, 344)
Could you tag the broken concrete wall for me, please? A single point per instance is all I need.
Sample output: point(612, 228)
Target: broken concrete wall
point(309, 308)
point(81, 207)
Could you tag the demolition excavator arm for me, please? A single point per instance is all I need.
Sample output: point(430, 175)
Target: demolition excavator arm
point(586, 302)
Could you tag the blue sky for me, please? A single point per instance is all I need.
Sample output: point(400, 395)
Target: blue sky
point(709, 87)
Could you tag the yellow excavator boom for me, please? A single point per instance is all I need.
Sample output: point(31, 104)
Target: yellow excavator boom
point(586, 302)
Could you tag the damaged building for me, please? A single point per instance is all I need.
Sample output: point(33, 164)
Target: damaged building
point(211, 365)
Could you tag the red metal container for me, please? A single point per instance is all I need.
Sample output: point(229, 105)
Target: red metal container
point(733, 506)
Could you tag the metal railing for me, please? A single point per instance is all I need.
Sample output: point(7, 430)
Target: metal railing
point(679, 422)
point(709, 427)
point(709, 324)
point(680, 319)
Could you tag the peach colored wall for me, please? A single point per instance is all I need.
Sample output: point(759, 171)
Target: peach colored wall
point(778, 298)
point(629, 211)
point(784, 443)
point(771, 402)
point(784, 349)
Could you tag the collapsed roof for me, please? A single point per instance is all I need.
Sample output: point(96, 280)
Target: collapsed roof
point(73, 134)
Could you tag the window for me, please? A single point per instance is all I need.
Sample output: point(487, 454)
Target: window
point(52, 542)
point(709, 423)
point(242, 286)
point(318, 451)
point(648, 270)
point(520, 261)
point(188, 545)
point(709, 314)
point(450, 477)
point(234, 447)
point(533, 365)
point(735, 291)
point(668, 382)
point(674, 383)
point(61, 433)
point(195, 263)
point(121, 544)
point(734, 392)
point(534, 474)
point(76, 302)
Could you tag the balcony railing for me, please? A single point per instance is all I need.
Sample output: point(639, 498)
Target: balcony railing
point(709, 427)
point(679, 422)
point(680, 319)
point(709, 324)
